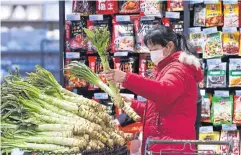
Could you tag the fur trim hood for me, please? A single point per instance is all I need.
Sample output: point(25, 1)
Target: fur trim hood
point(189, 59)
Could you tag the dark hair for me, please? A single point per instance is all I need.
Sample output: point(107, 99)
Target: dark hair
point(162, 35)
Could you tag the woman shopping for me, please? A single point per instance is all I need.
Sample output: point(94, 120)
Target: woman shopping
point(170, 112)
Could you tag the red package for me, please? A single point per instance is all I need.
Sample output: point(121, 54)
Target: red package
point(144, 26)
point(98, 24)
point(239, 3)
point(129, 6)
point(73, 82)
point(83, 7)
point(237, 110)
point(75, 37)
point(151, 8)
point(92, 66)
point(145, 65)
point(106, 7)
point(123, 34)
point(175, 5)
point(166, 22)
point(227, 136)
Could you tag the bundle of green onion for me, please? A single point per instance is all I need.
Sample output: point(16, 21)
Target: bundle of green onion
point(37, 114)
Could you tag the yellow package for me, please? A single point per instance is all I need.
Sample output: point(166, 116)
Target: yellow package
point(209, 149)
point(231, 15)
point(214, 14)
point(240, 44)
point(231, 43)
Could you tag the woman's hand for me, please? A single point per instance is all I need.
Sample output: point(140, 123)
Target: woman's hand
point(115, 75)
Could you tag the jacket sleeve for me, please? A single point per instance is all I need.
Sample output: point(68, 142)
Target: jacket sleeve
point(165, 91)
point(138, 107)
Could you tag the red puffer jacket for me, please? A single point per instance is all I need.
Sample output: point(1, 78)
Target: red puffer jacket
point(170, 112)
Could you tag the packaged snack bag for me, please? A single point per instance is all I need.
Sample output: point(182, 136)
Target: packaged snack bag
point(175, 5)
point(237, 110)
point(83, 7)
point(106, 7)
point(129, 6)
point(145, 25)
point(209, 149)
point(177, 25)
point(75, 37)
point(197, 41)
point(206, 108)
point(214, 14)
point(222, 110)
point(231, 43)
point(202, 83)
point(227, 136)
point(73, 82)
point(212, 45)
point(231, 15)
point(151, 8)
point(240, 43)
point(199, 15)
point(145, 65)
point(123, 34)
point(234, 72)
point(91, 24)
point(239, 4)
point(216, 74)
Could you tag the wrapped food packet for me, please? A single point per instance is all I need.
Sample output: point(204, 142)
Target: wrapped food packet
point(106, 7)
point(73, 82)
point(206, 108)
point(75, 37)
point(144, 25)
point(197, 41)
point(123, 34)
point(222, 110)
point(83, 7)
point(216, 74)
point(231, 42)
point(237, 110)
point(209, 149)
point(151, 8)
point(231, 15)
point(234, 72)
point(227, 136)
point(129, 6)
point(240, 42)
point(212, 46)
point(145, 66)
point(214, 14)
point(199, 15)
point(175, 5)
point(106, 22)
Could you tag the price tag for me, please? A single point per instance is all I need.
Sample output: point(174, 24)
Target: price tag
point(75, 91)
point(206, 129)
point(175, 15)
point(214, 61)
point(229, 127)
point(120, 18)
point(238, 92)
point(96, 17)
point(142, 99)
point(120, 54)
point(73, 17)
point(195, 30)
point(72, 55)
point(130, 96)
point(101, 96)
point(202, 92)
point(211, 1)
point(196, 1)
point(221, 93)
point(146, 18)
point(235, 61)
point(230, 1)
point(230, 29)
point(210, 30)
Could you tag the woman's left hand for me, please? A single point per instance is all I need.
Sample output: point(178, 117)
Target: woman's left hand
point(115, 75)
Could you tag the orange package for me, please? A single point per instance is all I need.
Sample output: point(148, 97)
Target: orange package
point(240, 43)
point(214, 14)
point(237, 110)
point(175, 5)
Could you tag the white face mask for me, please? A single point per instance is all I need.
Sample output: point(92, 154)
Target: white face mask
point(157, 56)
